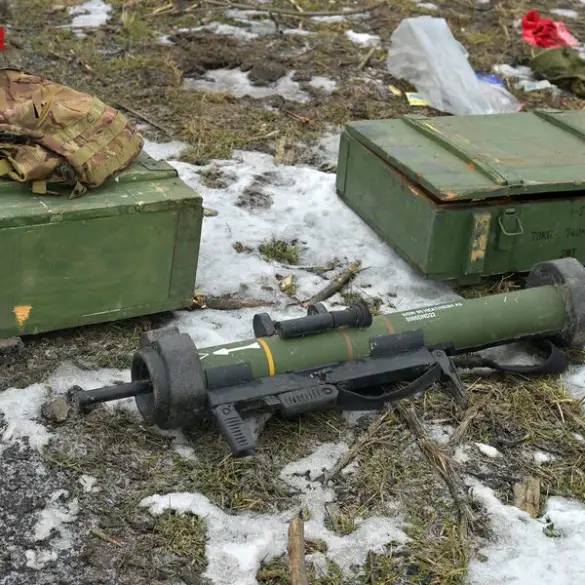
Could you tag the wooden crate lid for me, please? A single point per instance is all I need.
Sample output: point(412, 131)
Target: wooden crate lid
point(459, 158)
point(147, 185)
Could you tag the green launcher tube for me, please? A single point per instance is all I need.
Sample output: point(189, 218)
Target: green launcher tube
point(551, 306)
point(299, 365)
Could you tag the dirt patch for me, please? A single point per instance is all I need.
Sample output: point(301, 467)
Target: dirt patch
point(255, 196)
point(108, 345)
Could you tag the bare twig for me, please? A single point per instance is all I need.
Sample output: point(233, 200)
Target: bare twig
point(470, 414)
point(296, 552)
point(335, 286)
point(296, 5)
point(299, 9)
point(442, 463)
point(264, 136)
point(226, 303)
point(303, 119)
point(105, 537)
point(365, 60)
point(143, 118)
point(364, 440)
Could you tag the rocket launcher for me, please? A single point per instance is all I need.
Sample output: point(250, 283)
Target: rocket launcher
point(348, 359)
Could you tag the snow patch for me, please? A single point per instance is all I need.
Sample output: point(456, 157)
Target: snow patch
point(461, 454)
point(51, 530)
point(324, 83)
point(237, 83)
point(574, 382)
point(237, 545)
point(91, 14)
point(315, 216)
point(55, 515)
point(88, 483)
point(565, 13)
point(20, 408)
point(427, 5)
point(542, 457)
point(164, 150)
point(524, 78)
point(253, 29)
point(363, 39)
point(488, 450)
point(527, 550)
point(439, 434)
point(236, 32)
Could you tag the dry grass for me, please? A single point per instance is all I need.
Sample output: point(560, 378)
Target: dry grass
point(123, 63)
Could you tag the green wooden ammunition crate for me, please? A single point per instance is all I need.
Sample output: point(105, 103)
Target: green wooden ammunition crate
point(464, 197)
point(127, 249)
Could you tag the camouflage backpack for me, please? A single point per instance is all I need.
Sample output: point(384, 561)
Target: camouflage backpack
point(50, 133)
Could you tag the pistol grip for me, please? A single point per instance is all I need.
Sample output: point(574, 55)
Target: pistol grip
point(234, 430)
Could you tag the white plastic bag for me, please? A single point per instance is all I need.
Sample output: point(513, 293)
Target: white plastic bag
point(424, 52)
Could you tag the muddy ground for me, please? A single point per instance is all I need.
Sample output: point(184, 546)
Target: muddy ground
point(124, 63)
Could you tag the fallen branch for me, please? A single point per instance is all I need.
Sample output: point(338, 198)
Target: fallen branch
point(280, 11)
point(226, 303)
point(336, 285)
point(442, 463)
point(296, 552)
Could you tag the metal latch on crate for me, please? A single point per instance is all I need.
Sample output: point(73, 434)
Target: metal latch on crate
point(510, 226)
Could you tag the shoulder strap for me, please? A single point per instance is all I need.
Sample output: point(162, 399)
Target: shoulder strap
point(556, 361)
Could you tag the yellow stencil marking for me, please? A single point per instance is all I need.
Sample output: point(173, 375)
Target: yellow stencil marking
point(271, 368)
point(22, 312)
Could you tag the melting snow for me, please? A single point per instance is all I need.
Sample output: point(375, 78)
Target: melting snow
point(238, 544)
point(565, 13)
point(461, 454)
point(258, 28)
point(488, 450)
point(527, 550)
point(542, 457)
point(164, 150)
point(237, 83)
point(440, 434)
point(51, 530)
point(88, 483)
point(21, 407)
point(574, 381)
point(91, 14)
point(323, 83)
point(364, 39)
point(253, 30)
point(315, 216)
